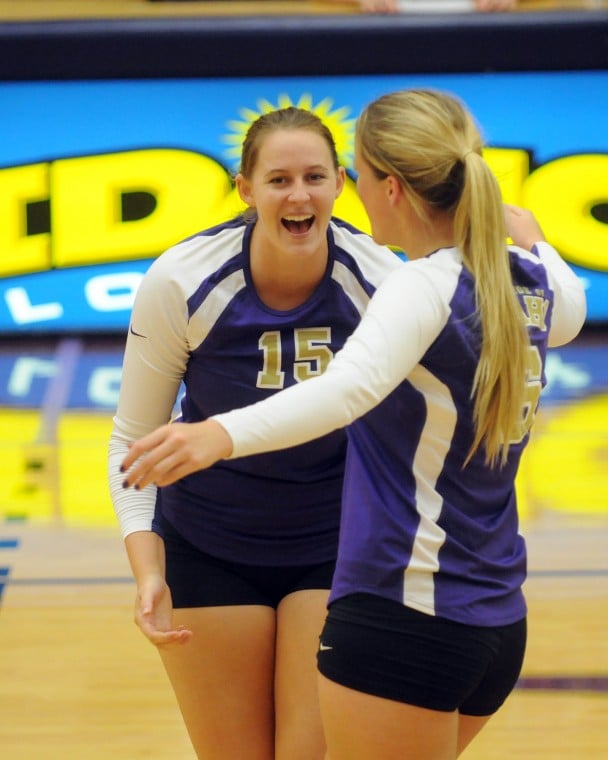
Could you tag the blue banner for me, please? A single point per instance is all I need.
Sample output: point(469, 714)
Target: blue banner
point(117, 171)
point(90, 376)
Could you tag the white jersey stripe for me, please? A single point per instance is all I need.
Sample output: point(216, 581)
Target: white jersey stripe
point(204, 318)
point(419, 576)
point(351, 286)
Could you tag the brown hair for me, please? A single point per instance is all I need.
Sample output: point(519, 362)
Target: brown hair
point(283, 118)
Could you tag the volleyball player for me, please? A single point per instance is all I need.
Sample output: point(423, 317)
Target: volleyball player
point(233, 565)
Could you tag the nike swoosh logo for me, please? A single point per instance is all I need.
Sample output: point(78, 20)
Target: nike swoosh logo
point(132, 331)
point(324, 647)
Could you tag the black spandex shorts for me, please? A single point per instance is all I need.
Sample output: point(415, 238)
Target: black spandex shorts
point(197, 579)
point(380, 647)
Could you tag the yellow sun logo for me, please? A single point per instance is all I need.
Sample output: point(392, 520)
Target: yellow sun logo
point(337, 121)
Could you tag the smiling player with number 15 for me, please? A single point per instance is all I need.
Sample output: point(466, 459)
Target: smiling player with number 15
point(238, 312)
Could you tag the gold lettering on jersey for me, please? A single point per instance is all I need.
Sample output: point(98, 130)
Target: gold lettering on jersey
point(271, 376)
point(312, 354)
point(535, 311)
point(534, 372)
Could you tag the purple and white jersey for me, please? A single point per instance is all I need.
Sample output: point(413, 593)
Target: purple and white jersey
point(417, 526)
point(197, 318)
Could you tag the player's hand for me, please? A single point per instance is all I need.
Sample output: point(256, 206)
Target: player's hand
point(173, 451)
point(522, 227)
point(154, 611)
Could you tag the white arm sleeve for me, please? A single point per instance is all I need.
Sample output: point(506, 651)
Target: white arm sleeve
point(134, 509)
point(570, 306)
point(404, 316)
point(154, 363)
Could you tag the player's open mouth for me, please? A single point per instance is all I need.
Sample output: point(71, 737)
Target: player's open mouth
point(297, 225)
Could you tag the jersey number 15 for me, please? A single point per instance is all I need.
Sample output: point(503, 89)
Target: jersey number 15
point(312, 354)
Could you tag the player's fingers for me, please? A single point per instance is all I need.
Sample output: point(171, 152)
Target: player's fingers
point(165, 638)
point(151, 456)
point(156, 467)
point(143, 445)
point(171, 638)
point(171, 473)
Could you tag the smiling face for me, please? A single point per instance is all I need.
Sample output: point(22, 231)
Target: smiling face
point(292, 188)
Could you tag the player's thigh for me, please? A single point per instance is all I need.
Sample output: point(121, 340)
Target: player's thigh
point(223, 680)
point(468, 728)
point(300, 618)
point(361, 726)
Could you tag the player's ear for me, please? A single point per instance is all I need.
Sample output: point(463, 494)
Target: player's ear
point(394, 189)
point(340, 180)
point(244, 190)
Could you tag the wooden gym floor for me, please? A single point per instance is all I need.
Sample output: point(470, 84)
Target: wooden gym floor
point(78, 680)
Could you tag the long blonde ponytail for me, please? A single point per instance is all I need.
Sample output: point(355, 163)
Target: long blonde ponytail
point(499, 384)
point(430, 143)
